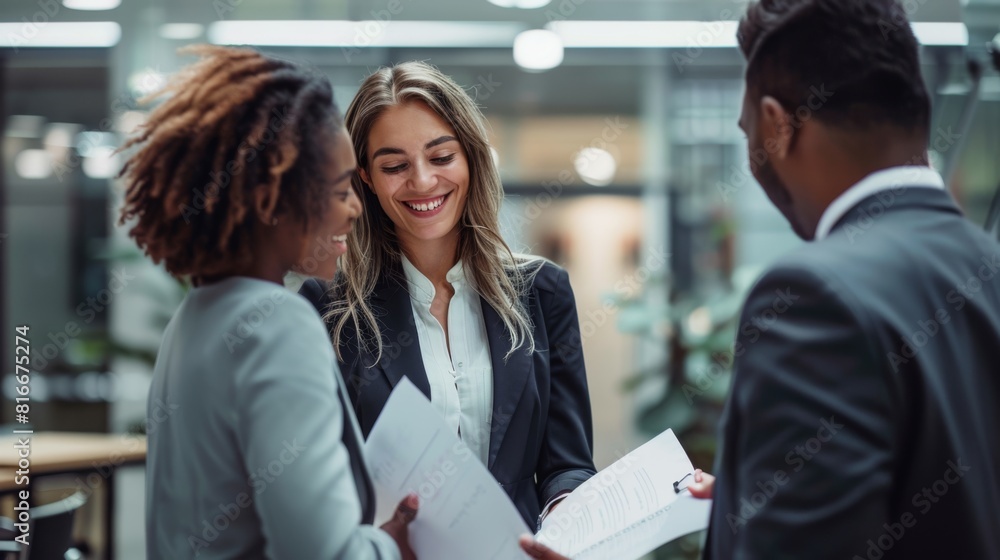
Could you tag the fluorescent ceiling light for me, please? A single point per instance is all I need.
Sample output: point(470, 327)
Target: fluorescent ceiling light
point(595, 166)
point(538, 49)
point(61, 135)
point(145, 82)
point(63, 34)
point(341, 33)
point(941, 34)
point(646, 34)
point(93, 143)
point(92, 5)
point(181, 31)
point(451, 34)
point(705, 34)
point(525, 4)
point(103, 163)
point(33, 164)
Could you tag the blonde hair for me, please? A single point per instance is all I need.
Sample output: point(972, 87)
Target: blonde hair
point(500, 276)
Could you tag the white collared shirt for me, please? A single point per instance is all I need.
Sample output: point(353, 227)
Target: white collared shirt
point(886, 179)
point(462, 382)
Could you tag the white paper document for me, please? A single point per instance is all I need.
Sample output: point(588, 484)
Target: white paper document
point(624, 512)
point(630, 508)
point(464, 514)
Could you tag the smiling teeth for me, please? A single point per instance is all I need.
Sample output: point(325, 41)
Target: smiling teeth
point(426, 207)
point(340, 238)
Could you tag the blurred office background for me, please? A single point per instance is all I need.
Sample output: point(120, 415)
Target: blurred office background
point(614, 122)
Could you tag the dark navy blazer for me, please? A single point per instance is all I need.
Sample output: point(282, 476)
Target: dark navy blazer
point(863, 419)
point(541, 443)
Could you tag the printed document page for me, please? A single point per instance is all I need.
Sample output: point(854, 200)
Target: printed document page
point(463, 511)
point(630, 508)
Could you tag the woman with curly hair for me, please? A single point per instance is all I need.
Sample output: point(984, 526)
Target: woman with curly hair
point(431, 291)
point(239, 176)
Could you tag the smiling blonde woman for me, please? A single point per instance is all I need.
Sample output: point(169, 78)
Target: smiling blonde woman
point(429, 290)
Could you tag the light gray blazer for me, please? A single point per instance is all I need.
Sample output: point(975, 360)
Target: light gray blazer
point(247, 430)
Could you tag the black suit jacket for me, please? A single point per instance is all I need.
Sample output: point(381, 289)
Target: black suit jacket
point(541, 443)
point(863, 418)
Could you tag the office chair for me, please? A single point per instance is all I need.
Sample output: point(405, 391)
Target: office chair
point(51, 531)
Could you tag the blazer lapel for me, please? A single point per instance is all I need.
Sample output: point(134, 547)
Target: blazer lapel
point(400, 345)
point(509, 377)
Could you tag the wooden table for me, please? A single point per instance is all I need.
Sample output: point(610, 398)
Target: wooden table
point(95, 456)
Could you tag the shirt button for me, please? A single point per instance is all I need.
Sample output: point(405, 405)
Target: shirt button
point(460, 364)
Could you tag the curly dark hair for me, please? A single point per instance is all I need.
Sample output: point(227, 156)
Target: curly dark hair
point(241, 140)
point(863, 52)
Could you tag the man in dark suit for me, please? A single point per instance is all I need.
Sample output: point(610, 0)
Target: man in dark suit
point(863, 417)
point(862, 421)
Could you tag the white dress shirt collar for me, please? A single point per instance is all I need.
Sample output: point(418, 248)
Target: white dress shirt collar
point(421, 289)
point(886, 179)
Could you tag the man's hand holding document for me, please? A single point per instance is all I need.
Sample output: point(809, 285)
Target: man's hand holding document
point(625, 511)
point(630, 508)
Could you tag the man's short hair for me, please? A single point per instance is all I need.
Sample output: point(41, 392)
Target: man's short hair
point(851, 63)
